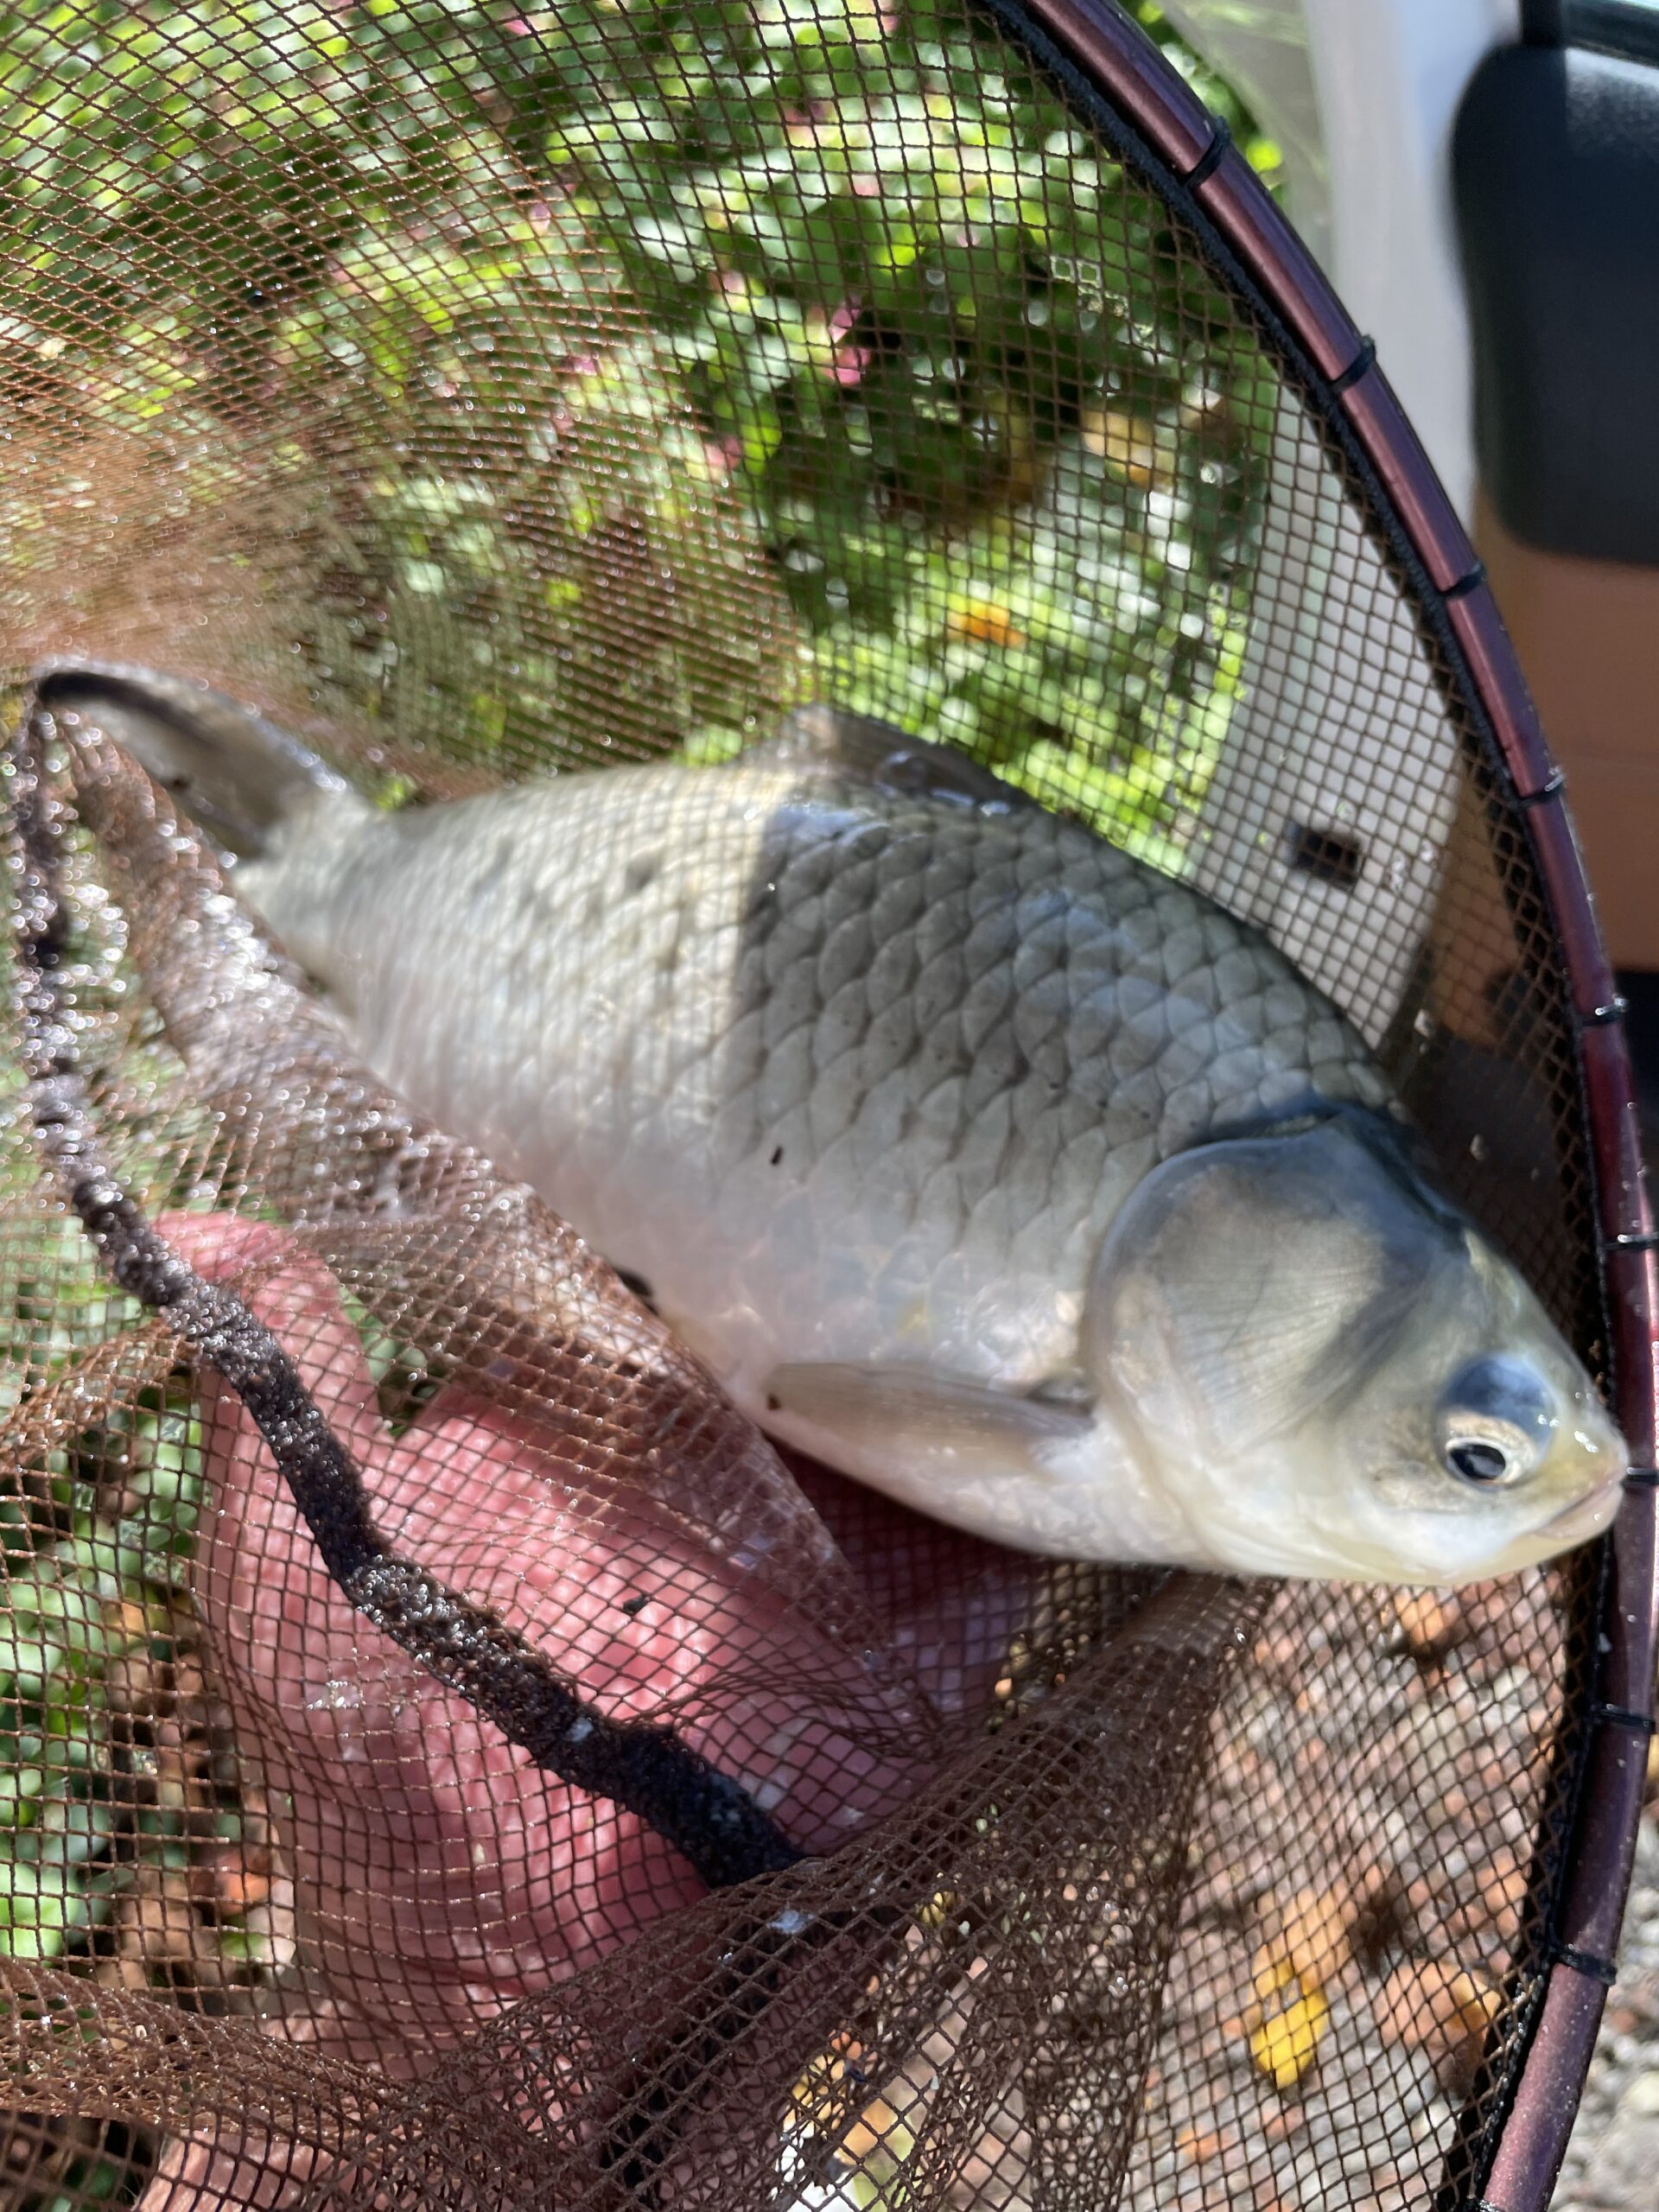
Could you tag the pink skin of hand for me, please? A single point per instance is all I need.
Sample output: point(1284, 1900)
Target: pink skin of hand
point(440, 1875)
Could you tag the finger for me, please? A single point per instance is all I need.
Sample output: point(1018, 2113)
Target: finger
point(215, 2176)
point(299, 1301)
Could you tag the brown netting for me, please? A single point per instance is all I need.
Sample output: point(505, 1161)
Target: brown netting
point(476, 392)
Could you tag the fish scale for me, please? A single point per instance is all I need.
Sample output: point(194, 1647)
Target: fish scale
point(968, 1031)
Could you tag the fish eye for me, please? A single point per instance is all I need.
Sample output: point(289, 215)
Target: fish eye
point(1477, 1459)
point(1495, 1420)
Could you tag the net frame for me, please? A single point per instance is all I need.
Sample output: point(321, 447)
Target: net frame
point(1166, 136)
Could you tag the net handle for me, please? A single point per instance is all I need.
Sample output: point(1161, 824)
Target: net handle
point(1165, 136)
point(647, 1769)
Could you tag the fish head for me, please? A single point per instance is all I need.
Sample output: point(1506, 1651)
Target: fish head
point(1322, 1369)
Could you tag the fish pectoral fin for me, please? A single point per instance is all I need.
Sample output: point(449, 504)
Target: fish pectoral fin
point(964, 1424)
point(823, 736)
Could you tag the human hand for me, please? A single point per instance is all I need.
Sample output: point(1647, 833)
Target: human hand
point(440, 1875)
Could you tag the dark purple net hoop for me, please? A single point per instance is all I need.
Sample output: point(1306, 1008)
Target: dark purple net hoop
point(1152, 118)
point(1158, 126)
point(447, 1757)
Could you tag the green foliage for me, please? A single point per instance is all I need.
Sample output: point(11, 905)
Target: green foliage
point(84, 1592)
point(97, 1530)
point(854, 270)
point(1002, 444)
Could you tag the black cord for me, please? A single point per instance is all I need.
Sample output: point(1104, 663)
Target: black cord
point(709, 1819)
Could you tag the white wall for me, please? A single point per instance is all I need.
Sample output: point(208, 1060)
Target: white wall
point(1362, 95)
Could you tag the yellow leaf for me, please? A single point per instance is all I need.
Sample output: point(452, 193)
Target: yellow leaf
point(980, 623)
point(1283, 2047)
point(1271, 1972)
point(1129, 446)
point(1309, 1935)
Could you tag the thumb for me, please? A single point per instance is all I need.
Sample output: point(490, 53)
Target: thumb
point(281, 1630)
point(299, 1301)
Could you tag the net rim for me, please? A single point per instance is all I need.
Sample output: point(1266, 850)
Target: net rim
point(1160, 129)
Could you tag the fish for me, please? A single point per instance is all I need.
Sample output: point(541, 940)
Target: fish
point(976, 1158)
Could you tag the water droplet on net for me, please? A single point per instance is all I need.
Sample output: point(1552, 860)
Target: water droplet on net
point(338, 1694)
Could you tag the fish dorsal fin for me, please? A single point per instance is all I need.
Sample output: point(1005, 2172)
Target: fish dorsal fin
point(832, 739)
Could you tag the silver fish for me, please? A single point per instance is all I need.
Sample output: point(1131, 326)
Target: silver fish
point(976, 1158)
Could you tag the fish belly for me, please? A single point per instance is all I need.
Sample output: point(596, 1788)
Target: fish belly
point(844, 1077)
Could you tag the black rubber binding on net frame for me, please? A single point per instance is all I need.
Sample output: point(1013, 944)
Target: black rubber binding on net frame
point(1585, 1962)
point(1362, 364)
point(1213, 156)
point(1471, 580)
point(1552, 787)
point(1622, 1716)
point(711, 1820)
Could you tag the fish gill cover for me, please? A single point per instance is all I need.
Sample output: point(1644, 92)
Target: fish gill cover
point(480, 392)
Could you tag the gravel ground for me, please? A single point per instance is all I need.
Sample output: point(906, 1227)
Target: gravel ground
point(1612, 2163)
point(1364, 1835)
point(1364, 1829)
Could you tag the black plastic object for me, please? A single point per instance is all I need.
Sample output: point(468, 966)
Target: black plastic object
point(1556, 163)
point(1626, 26)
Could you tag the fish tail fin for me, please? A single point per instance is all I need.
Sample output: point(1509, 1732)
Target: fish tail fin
point(240, 776)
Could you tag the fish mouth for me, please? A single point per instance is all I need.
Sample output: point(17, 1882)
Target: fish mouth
point(1574, 1523)
point(1585, 1516)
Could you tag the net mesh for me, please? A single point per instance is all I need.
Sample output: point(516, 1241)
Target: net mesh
point(478, 392)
